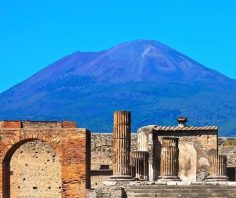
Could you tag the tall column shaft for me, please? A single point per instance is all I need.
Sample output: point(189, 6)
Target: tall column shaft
point(121, 144)
point(169, 159)
point(139, 164)
point(218, 166)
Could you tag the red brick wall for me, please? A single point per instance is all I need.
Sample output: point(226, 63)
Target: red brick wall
point(11, 124)
point(71, 144)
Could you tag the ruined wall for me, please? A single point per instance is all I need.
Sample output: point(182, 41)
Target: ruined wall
point(191, 146)
point(101, 154)
point(194, 146)
point(65, 146)
point(101, 150)
point(227, 146)
point(194, 149)
point(35, 170)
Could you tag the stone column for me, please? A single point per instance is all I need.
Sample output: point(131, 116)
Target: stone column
point(139, 164)
point(169, 160)
point(121, 145)
point(218, 167)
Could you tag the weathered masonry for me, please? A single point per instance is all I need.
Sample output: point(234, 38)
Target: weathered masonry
point(44, 159)
point(121, 145)
point(101, 161)
point(162, 155)
point(181, 150)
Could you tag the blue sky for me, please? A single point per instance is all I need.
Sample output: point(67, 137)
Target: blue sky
point(34, 34)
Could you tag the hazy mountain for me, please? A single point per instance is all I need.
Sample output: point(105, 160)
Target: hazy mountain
point(152, 80)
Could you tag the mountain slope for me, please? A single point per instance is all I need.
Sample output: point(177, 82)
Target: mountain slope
point(152, 80)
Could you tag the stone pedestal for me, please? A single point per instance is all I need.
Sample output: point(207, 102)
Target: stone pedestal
point(218, 167)
point(139, 165)
point(121, 145)
point(169, 160)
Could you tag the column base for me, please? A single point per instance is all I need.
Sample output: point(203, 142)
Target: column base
point(216, 178)
point(121, 178)
point(168, 178)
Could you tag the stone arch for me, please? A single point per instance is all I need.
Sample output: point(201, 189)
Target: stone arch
point(27, 165)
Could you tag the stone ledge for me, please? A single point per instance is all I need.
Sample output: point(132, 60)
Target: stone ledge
point(220, 183)
point(180, 183)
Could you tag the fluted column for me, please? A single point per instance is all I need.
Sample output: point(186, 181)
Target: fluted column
point(121, 145)
point(218, 167)
point(139, 164)
point(169, 159)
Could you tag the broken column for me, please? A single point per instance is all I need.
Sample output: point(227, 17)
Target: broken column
point(218, 167)
point(121, 145)
point(169, 160)
point(139, 165)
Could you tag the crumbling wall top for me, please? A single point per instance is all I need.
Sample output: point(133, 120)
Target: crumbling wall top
point(37, 124)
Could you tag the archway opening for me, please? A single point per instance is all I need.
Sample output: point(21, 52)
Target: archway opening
point(31, 168)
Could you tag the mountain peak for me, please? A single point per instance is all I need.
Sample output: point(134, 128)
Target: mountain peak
point(140, 46)
point(141, 43)
point(135, 61)
point(154, 81)
point(149, 60)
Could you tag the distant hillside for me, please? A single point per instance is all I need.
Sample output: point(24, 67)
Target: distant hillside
point(150, 79)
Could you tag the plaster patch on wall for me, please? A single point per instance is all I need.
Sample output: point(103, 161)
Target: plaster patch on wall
point(187, 162)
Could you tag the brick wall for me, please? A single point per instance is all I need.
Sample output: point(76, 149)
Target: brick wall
point(35, 169)
point(70, 145)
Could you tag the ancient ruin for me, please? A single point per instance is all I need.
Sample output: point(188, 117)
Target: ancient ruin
point(139, 165)
point(169, 160)
point(44, 159)
point(121, 145)
point(52, 159)
point(178, 151)
point(162, 156)
point(218, 168)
